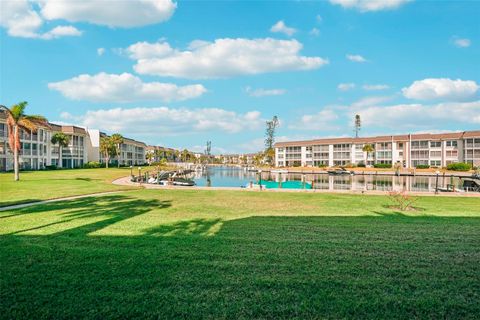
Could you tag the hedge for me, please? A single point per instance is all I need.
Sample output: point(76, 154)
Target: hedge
point(382, 165)
point(459, 166)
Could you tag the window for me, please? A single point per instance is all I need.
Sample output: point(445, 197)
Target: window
point(435, 154)
point(400, 145)
point(435, 144)
point(452, 143)
point(309, 148)
point(452, 153)
point(435, 163)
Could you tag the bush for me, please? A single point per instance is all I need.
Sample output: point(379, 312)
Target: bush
point(52, 167)
point(350, 165)
point(361, 165)
point(93, 164)
point(459, 166)
point(422, 166)
point(383, 165)
point(322, 165)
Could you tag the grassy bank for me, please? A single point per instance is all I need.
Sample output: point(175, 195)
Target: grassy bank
point(42, 185)
point(226, 254)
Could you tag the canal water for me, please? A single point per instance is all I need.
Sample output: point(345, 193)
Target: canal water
point(239, 177)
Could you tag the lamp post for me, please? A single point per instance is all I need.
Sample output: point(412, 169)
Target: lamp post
point(131, 170)
point(260, 179)
point(436, 181)
point(140, 174)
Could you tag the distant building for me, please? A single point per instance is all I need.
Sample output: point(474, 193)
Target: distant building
point(37, 152)
point(410, 150)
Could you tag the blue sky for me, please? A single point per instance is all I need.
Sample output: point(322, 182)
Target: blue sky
point(181, 73)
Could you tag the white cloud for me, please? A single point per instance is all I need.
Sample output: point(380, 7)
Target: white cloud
point(370, 5)
point(113, 14)
point(61, 31)
point(319, 121)
point(21, 20)
point(319, 18)
point(125, 87)
point(222, 58)
point(345, 86)
point(356, 58)
point(281, 27)
point(415, 116)
point(462, 42)
point(375, 87)
point(169, 121)
point(441, 88)
point(100, 51)
point(264, 92)
point(315, 32)
point(370, 101)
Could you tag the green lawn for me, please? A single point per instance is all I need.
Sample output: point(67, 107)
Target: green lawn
point(230, 254)
point(42, 185)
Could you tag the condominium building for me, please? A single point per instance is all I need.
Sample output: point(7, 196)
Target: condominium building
point(37, 151)
point(410, 150)
point(158, 153)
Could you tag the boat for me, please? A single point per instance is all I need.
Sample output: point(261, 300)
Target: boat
point(340, 171)
point(183, 182)
point(471, 185)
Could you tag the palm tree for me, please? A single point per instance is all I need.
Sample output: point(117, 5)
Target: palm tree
point(368, 148)
point(150, 156)
point(185, 155)
point(17, 120)
point(108, 149)
point(117, 140)
point(62, 140)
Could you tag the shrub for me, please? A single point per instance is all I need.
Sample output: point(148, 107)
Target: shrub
point(422, 166)
point(402, 200)
point(382, 165)
point(459, 166)
point(93, 164)
point(52, 167)
point(361, 165)
point(322, 165)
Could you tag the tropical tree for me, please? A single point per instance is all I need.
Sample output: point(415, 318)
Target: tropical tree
point(258, 158)
point(185, 155)
point(368, 148)
point(117, 140)
point(17, 120)
point(62, 140)
point(149, 156)
point(107, 149)
point(270, 138)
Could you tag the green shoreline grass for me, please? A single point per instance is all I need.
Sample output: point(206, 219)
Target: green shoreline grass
point(228, 254)
point(44, 185)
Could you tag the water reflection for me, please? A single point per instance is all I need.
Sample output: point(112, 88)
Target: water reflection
point(237, 177)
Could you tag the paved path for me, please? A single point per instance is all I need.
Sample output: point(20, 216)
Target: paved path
point(29, 204)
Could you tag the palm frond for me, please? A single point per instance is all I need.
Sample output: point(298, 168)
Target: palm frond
point(17, 110)
point(28, 124)
point(38, 119)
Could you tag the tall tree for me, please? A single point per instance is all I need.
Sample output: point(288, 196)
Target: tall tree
point(17, 120)
point(62, 140)
point(368, 148)
point(270, 138)
point(117, 140)
point(358, 125)
point(107, 149)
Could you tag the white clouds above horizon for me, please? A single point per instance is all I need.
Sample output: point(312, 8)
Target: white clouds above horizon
point(168, 121)
point(222, 58)
point(462, 42)
point(100, 51)
point(441, 88)
point(125, 14)
point(375, 87)
point(125, 87)
point(264, 92)
point(23, 18)
point(321, 121)
point(370, 5)
point(356, 58)
point(415, 116)
point(281, 27)
point(314, 32)
point(345, 86)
